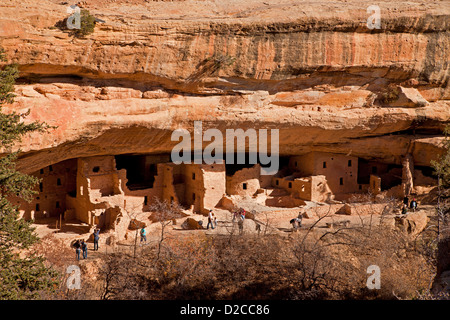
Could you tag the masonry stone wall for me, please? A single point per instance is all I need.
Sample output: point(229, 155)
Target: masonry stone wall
point(57, 181)
point(341, 171)
point(244, 182)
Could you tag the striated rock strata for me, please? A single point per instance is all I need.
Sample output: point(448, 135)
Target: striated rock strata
point(314, 71)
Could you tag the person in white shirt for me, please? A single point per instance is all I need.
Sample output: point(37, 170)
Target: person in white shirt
point(210, 220)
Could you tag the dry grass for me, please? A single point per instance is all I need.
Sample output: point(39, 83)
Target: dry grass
point(309, 265)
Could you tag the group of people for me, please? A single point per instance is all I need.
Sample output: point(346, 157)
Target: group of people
point(239, 214)
point(81, 246)
point(412, 205)
point(297, 222)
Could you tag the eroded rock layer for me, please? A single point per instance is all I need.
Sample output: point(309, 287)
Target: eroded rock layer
point(314, 71)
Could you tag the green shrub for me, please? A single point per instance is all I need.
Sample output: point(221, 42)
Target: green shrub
point(87, 24)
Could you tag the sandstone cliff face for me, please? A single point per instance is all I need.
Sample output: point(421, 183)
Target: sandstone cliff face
point(314, 71)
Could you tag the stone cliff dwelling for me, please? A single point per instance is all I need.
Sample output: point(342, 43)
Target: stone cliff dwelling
point(101, 190)
point(358, 111)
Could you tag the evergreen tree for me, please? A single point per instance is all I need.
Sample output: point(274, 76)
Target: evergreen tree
point(23, 274)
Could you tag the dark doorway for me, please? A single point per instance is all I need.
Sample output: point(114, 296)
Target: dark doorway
point(141, 169)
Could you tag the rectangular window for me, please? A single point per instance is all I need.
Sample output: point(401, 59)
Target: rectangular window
point(145, 200)
point(341, 181)
point(193, 176)
point(37, 207)
point(277, 182)
point(58, 182)
point(57, 204)
point(244, 186)
point(193, 196)
point(41, 171)
point(349, 163)
point(50, 168)
point(41, 187)
point(324, 164)
point(290, 184)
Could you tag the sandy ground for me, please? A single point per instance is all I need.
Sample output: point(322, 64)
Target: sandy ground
point(277, 223)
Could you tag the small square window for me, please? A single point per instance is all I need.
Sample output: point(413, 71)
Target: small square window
point(96, 169)
point(290, 184)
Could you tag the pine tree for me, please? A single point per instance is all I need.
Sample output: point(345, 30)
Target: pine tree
point(23, 274)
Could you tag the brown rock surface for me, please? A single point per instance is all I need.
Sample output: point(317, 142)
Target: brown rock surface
point(191, 224)
point(412, 223)
point(136, 224)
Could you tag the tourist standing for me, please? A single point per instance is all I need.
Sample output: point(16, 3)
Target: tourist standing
point(210, 220)
point(243, 214)
point(241, 225)
point(96, 238)
point(84, 248)
point(143, 235)
point(405, 200)
point(413, 205)
point(294, 224)
point(405, 209)
point(299, 219)
point(235, 215)
point(77, 247)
